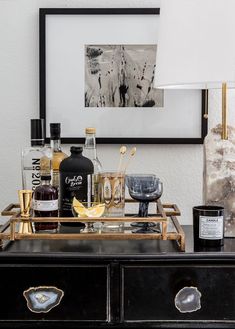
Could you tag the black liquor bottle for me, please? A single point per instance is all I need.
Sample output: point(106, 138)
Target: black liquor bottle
point(75, 181)
point(45, 204)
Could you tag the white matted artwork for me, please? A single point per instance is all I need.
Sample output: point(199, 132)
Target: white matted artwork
point(96, 70)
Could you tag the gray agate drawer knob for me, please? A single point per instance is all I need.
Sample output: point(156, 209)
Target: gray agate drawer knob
point(42, 299)
point(188, 299)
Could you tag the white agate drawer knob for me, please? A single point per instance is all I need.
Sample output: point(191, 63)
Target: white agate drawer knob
point(188, 300)
point(42, 299)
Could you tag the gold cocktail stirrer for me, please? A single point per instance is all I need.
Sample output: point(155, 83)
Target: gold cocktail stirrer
point(122, 152)
point(132, 153)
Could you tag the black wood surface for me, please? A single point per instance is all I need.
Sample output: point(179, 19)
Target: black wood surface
point(118, 284)
point(85, 291)
point(149, 292)
point(114, 250)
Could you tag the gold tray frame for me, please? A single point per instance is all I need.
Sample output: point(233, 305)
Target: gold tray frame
point(163, 212)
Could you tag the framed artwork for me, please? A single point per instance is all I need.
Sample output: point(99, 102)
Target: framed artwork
point(97, 67)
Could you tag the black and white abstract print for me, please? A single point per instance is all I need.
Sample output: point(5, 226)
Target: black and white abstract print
point(121, 76)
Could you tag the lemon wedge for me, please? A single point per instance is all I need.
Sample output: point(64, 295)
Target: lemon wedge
point(94, 211)
point(79, 208)
point(77, 203)
point(82, 212)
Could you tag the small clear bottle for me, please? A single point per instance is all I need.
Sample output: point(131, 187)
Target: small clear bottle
point(35, 160)
point(57, 155)
point(45, 204)
point(91, 153)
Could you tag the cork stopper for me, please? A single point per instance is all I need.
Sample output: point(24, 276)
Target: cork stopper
point(90, 130)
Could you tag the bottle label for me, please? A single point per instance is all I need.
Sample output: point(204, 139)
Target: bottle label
point(35, 173)
point(211, 228)
point(73, 185)
point(45, 205)
point(55, 178)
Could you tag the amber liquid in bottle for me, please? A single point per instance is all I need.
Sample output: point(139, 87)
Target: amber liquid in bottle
point(45, 204)
point(58, 155)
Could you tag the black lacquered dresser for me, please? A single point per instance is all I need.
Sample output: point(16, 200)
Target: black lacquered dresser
point(115, 284)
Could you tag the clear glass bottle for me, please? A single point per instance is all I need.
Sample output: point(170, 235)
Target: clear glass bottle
point(45, 204)
point(57, 155)
point(91, 153)
point(75, 181)
point(35, 160)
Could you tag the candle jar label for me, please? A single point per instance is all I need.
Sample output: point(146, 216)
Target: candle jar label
point(210, 228)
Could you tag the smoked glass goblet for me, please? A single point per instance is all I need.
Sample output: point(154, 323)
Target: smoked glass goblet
point(144, 188)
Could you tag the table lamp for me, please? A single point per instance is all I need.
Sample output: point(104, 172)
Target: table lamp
point(196, 50)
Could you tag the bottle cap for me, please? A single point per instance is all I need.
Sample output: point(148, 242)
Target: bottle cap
point(90, 130)
point(45, 177)
point(37, 130)
point(76, 149)
point(55, 130)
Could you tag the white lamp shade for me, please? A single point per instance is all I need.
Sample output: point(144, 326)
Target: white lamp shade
point(196, 45)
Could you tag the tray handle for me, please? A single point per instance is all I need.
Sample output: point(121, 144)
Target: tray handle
point(8, 211)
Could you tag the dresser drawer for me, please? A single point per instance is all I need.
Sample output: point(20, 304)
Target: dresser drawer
point(83, 292)
point(148, 292)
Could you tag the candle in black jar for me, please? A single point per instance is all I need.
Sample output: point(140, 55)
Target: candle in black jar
point(208, 226)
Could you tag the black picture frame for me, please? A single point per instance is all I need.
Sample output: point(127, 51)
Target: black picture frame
point(43, 12)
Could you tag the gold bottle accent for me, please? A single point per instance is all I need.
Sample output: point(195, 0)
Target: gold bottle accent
point(25, 199)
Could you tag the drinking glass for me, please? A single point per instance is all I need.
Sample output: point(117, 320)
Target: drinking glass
point(144, 188)
point(112, 194)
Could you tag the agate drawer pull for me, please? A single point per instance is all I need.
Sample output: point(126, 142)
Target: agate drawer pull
point(188, 300)
point(43, 298)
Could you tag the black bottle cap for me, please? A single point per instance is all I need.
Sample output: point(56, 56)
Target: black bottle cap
point(46, 177)
point(76, 149)
point(55, 130)
point(37, 130)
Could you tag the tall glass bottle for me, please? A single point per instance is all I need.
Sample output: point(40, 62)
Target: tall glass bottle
point(35, 160)
point(91, 153)
point(75, 181)
point(57, 155)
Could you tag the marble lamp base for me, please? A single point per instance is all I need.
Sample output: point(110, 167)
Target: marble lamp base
point(219, 174)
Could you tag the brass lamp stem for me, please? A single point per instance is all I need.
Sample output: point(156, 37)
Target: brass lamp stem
point(224, 134)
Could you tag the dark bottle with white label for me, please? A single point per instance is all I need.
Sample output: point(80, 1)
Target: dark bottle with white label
point(208, 226)
point(45, 204)
point(75, 181)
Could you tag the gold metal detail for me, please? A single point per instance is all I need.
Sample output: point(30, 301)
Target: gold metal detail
point(164, 213)
point(25, 227)
point(25, 198)
point(224, 134)
point(90, 130)
point(8, 211)
point(38, 298)
point(205, 116)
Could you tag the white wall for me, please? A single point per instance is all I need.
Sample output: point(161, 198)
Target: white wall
point(179, 166)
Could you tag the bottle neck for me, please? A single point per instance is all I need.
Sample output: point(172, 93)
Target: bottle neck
point(37, 142)
point(56, 145)
point(76, 155)
point(45, 182)
point(90, 145)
